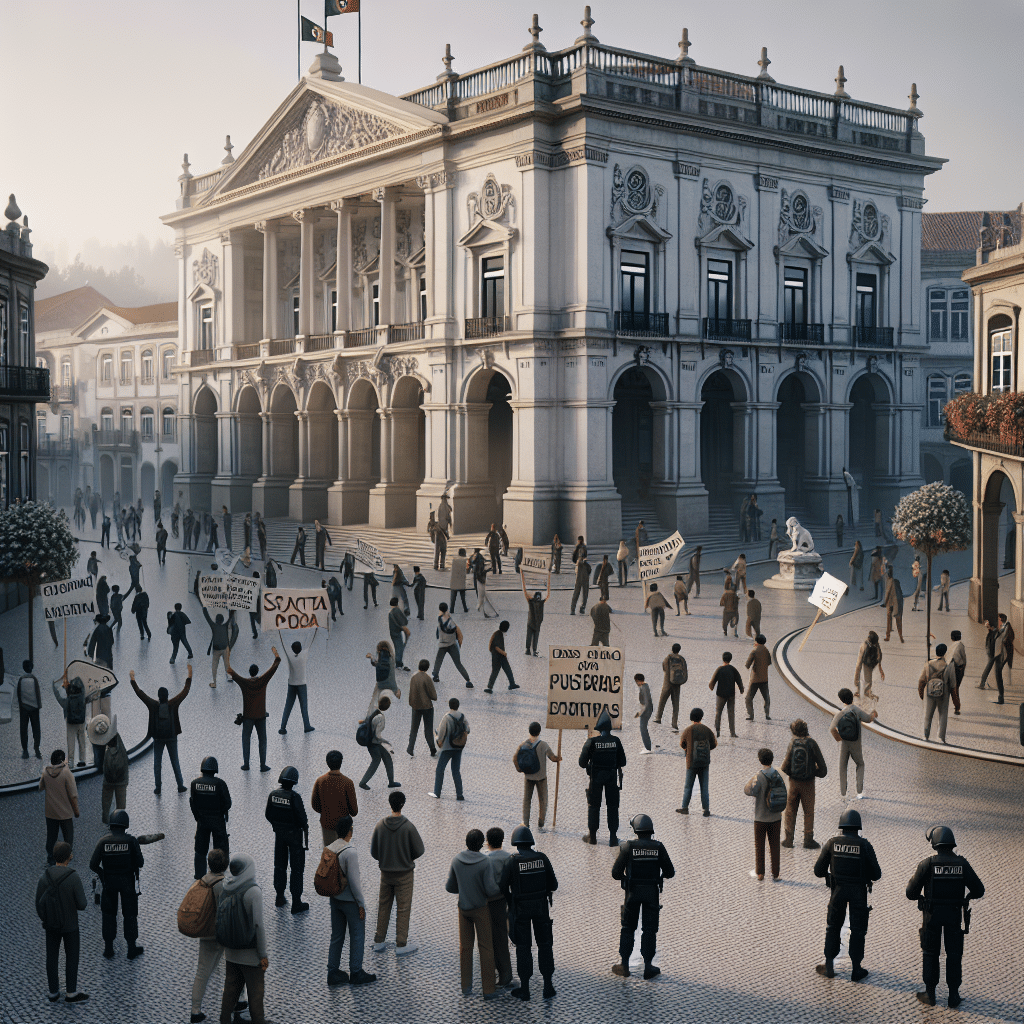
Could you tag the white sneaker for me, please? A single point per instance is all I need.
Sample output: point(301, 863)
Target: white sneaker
point(379, 947)
point(861, 795)
point(434, 795)
point(409, 947)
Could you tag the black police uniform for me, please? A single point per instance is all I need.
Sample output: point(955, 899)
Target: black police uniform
point(116, 860)
point(938, 886)
point(210, 801)
point(641, 865)
point(603, 756)
point(286, 812)
point(849, 864)
point(528, 880)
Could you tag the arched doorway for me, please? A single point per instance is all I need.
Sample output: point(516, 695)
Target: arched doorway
point(998, 546)
point(205, 433)
point(795, 438)
point(250, 434)
point(868, 437)
point(147, 483)
point(633, 433)
point(321, 455)
point(961, 476)
point(284, 435)
point(168, 470)
point(721, 451)
point(499, 436)
point(487, 428)
point(408, 454)
point(107, 487)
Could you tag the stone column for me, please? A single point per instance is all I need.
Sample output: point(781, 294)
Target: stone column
point(386, 262)
point(337, 491)
point(307, 226)
point(439, 244)
point(269, 231)
point(265, 417)
point(343, 266)
point(234, 288)
point(303, 418)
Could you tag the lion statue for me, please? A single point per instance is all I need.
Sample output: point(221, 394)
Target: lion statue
point(802, 541)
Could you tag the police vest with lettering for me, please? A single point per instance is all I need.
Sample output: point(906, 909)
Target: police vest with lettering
point(529, 877)
point(605, 753)
point(947, 880)
point(643, 868)
point(117, 855)
point(206, 799)
point(847, 861)
point(279, 811)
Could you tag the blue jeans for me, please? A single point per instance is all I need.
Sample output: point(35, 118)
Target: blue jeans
point(443, 757)
point(158, 760)
point(345, 914)
point(289, 703)
point(702, 775)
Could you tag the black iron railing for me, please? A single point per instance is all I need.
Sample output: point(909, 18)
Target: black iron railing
point(641, 325)
point(28, 382)
point(485, 326)
point(872, 337)
point(726, 330)
point(802, 332)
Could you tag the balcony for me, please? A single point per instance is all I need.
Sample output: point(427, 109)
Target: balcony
point(55, 447)
point(66, 394)
point(25, 383)
point(200, 357)
point(397, 333)
point(641, 325)
point(487, 326)
point(872, 337)
point(715, 329)
point(814, 333)
point(147, 378)
point(113, 440)
point(361, 338)
point(246, 351)
point(282, 347)
point(320, 342)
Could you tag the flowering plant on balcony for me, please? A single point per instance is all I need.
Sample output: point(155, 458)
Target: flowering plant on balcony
point(965, 414)
point(1005, 416)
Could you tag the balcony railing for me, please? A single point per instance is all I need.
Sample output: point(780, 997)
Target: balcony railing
point(30, 383)
point(398, 333)
point(802, 332)
point(282, 347)
point(117, 440)
point(55, 447)
point(247, 351)
point(320, 343)
point(641, 325)
point(126, 379)
point(360, 338)
point(872, 337)
point(726, 330)
point(66, 393)
point(147, 378)
point(989, 443)
point(487, 326)
point(201, 357)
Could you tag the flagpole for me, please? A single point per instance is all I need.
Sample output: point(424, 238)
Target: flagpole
point(298, 40)
point(359, 32)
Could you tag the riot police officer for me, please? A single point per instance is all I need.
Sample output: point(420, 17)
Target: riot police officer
point(527, 882)
point(938, 886)
point(286, 812)
point(641, 866)
point(604, 759)
point(849, 866)
point(210, 802)
point(116, 860)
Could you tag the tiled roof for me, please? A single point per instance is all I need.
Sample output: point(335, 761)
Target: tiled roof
point(960, 231)
point(158, 313)
point(69, 309)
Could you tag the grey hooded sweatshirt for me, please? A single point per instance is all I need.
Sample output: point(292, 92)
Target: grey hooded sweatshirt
point(472, 877)
point(253, 900)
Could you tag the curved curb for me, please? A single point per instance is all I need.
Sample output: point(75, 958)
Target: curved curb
point(79, 773)
point(785, 669)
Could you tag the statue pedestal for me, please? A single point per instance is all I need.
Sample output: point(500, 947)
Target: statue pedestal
point(797, 571)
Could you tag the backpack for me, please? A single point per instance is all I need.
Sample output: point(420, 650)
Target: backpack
point(164, 728)
point(936, 688)
point(871, 653)
point(49, 907)
point(801, 766)
point(235, 930)
point(775, 796)
point(677, 668)
point(329, 880)
point(115, 764)
point(457, 734)
point(848, 726)
point(76, 703)
point(701, 749)
point(364, 733)
point(197, 915)
point(527, 760)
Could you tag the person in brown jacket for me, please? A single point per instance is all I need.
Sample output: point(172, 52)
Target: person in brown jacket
point(698, 741)
point(164, 727)
point(422, 695)
point(333, 797)
point(254, 706)
point(753, 626)
point(61, 806)
point(680, 593)
point(759, 660)
point(730, 603)
point(803, 763)
point(674, 667)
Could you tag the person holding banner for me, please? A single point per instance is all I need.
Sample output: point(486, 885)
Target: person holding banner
point(534, 614)
point(296, 656)
point(603, 758)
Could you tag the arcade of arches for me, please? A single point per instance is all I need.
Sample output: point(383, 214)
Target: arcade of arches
point(998, 527)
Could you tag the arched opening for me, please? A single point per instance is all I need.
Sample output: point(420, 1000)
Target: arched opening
point(127, 476)
point(488, 428)
point(721, 451)
point(868, 436)
point(792, 435)
point(250, 434)
point(998, 545)
point(931, 469)
point(961, 476)
point(323, 434)
point(410, 425)
point(499, 436)
point(205, 419)
point(284, 434)
point(633, 433)
point(364, 434)
point(107, 487)
point(168, 470)
point(147, 483)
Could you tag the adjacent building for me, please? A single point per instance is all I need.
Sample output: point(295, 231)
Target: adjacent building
point(567, 289)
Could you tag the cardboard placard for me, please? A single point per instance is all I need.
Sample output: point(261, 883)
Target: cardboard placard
point(369, 555)
point(66, 598)
point(655, 560)
point(294, 609)
point(96, 678)
point(236, 593)
point(827, 592)
point(582, 682)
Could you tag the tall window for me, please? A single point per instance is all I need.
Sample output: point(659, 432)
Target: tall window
point(146, 423)
point(633, 270)
point(168, 422)
point(206, 326)
point(23, 349)
point(23, 454)
point(107, 419)
point(126, 367)
point(719, 289)
point(937, 396)
point(147, 365)
point(1002, 361)
point(65, 372)
point(295, 316)
point(867, 289)
point(334, 310)
point(948, 313)
point(959, 309)
point(375, 300)
point(492, 293)
point(126, 423)
point(4, 334)
point(106, 369)
point(65, 429)
point(423, 296)
point(961, 384)
point(168, 362)
point(5, 461)
point(795, 296)
point(41, 429)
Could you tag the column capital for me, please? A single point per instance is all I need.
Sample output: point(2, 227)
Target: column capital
point(342, 414)
point(342, 204)
point(301, 215)
point(387, 193)
point(265, 227)
point(300, 414)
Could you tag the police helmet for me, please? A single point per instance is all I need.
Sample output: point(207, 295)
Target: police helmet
point(850, 819)
point(522, 836)
point(290, 774)
point(210, 765)
point(119, 820)
point(604, 721)
point(940, 835)
point(642, 824)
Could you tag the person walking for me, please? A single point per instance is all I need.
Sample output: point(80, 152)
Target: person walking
point(30, 702)
point(287, 815)
point(730, 604)
point(846, 730)
point(333, 797)
point(499, 658)
point(219, 642)
point(693, 579)
point(116, 860)
point(531, 759)
point(214, 540)
point(739, 569)
point(419, 590)
point(893, 604)
point(868, 659)
point(1003, 652)
point(603, 758)
point(449, 644)
point(321, 538)
point(679, 592)
point(875, 575)
point(582, 587)
point(758, 661)
point(422, 695)
point(556, 554)
point(958, 659)
point(398, 630)
point(59, 897)
point(254, 707)
point(472, 879)
point(934, 686)
point(645, 712)
point(839, 530)
point(334, 595)
point(497, 906)
point(60, 806)
point(622, 558)
point(70, 696)
point(102, 597)
point(675, 675)
point(261, 536)
point(604, 575)
point(457, 580)
point(452, 735)
point(209, 801)
point(480, 584)
point(534, 615)
point(116, 607)
point(164, 726)
point(296, 655)
point(753, 626)
point(857, 565)
point(657, 604)
point(348, 913)
point(398, 584)
point(384, 675)
point(493, 544)
point(439, 538)
point(247, 532)
point(243, 934)
point(369, 588)
point(140, 609)
point(396, 846)
point(601, 614)
point(187, 520)
point(105, 532)
point(803, 763)
point(768, 789)
point(849, 866)
point(101, 642)
point(377, 747)
point(299, 550)
point(724, 683)
point(176, 623)
point(943, 589)
point(918, 574)
point(698, 741)
point(161, 544)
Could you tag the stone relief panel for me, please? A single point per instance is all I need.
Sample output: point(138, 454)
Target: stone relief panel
point(634, 194)
point(492, 202)
point(325, 250)
point(204, 269)
point(721, 204)
point(797, 216)
point(867, 224)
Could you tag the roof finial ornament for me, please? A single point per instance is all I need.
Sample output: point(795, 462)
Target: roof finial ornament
point(12, 212)
point(763, 64)
point(185, 167)
point(229, 159)
point(588, 36)
point(841, 81)
point(447, 59)
point(684, 49)
point(914, 110)
point(535, 30)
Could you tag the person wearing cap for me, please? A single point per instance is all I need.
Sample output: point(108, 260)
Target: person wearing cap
point(103, 735)
point(210, 801)
point(942, 885)
point(116, 860)
point(603, 758)
point(164, 726)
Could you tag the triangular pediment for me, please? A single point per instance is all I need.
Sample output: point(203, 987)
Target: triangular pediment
point(641, 228)
point(871, 252)
point(486, 232)
point(726, 236)
point(103, 324)
point(321, 120)
point(802, 245)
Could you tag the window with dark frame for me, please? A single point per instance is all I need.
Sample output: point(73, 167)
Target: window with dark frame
point(795, 295)
point(961, 384)
point(938, 395)
point(1002, 360)
point(206, 327)
point(376, 305)
point(635, 292)
point(334, 310)
point(719, 289)
point(146, 423)
point(866, 305)
point(423, 297)
point(959, 313)
point(492, 292)
point(106, 368)
point(168, 422)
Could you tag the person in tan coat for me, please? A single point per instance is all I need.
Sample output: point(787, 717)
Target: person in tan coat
point(868, 659)
point(61, 806)
point(422, 695)
point(730, 603)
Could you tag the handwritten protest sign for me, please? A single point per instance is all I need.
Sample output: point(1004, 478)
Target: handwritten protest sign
point(294, 609)
point(369, 555)
point(63, 599)
point(827, 592)
point(656, 559)
point(582, 682)
point(97, 679)
point(238, 593)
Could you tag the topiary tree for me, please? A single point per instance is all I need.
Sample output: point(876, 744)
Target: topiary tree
point(36, 546)
point(933, 519)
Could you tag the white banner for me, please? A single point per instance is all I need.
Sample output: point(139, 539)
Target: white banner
point(583, 682)
point(237, 593)
point(294, 609)
point(369, 555)
point(656, 559)
point(63, 599)
point(827, 592)
point(96, 678)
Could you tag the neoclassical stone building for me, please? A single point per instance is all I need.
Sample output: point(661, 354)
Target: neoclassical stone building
point(563, 284)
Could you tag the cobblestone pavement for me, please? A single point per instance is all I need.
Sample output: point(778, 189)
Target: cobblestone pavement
point(731, 949)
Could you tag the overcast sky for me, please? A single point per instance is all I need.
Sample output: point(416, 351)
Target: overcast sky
point(101, 98)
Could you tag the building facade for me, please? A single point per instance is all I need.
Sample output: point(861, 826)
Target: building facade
point(563, 285)
point(112, 421)
point(22, 383)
